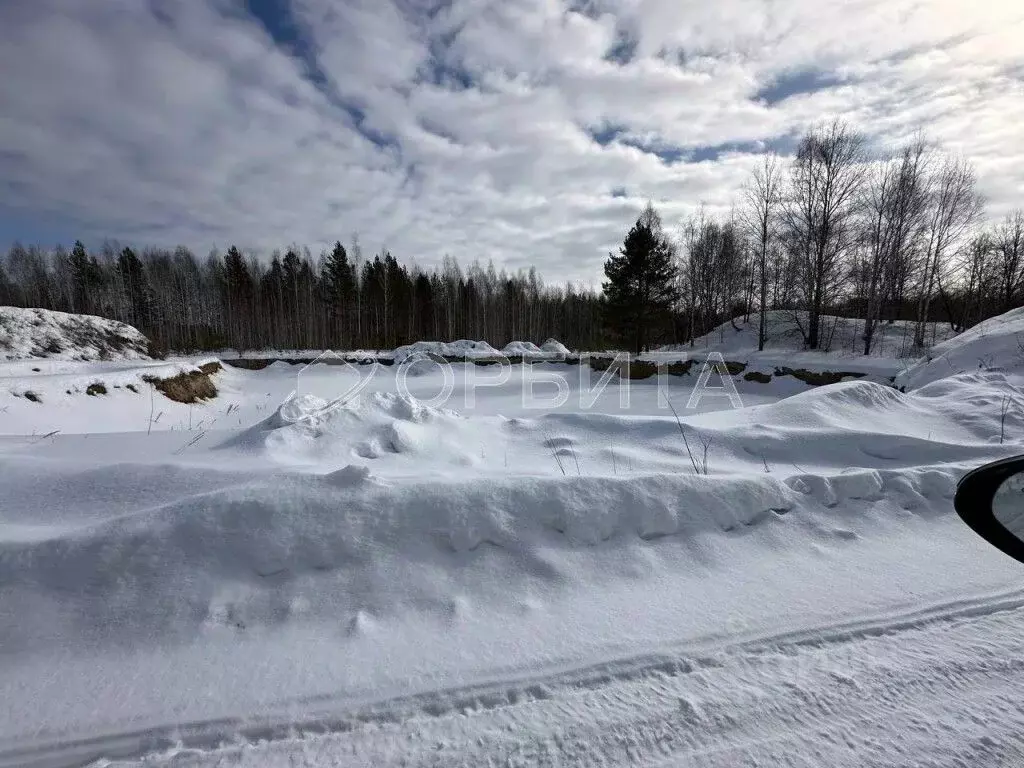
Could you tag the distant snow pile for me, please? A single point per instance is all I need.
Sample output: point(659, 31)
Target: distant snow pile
point(555, 348)
point(996, 345)
point(460, 348)
point(476, 350)
point(522, 349)
point(42, 333)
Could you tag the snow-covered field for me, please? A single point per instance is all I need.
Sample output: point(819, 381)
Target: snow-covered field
point(335, 565)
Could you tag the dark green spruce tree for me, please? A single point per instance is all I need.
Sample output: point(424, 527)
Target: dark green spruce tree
point(86, 278)
point(138, 295)
point(338, 285)
point(7, 293)
point(640, 289)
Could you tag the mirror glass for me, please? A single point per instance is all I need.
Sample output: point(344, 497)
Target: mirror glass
point(1008, 505)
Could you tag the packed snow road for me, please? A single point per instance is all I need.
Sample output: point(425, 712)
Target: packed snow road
point(934, 687)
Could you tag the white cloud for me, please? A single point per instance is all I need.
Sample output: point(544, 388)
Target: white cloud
point(174, 122)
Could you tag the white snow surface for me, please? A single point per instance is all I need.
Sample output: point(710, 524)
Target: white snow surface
point(841, 337)
point(996, 344)
point(842, 344)
point(304, 571)
point(43, 333)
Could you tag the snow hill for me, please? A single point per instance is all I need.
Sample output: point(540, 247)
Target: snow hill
point(842, 345)
point(995, 345)
point(42, 333)
point(840, 336)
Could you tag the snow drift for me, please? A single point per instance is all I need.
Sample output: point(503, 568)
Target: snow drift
point(42, 333)
point(996, 345)
point(380, 506)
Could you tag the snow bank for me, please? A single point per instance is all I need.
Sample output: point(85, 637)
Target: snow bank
point(460, 348)
point(554, 347)
point(343, 541)
point(481, 349)
point(42, 333)
point(997, 344)
point(522, 349)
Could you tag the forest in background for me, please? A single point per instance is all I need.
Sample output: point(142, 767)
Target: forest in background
point(838, 228)
point(295, 301)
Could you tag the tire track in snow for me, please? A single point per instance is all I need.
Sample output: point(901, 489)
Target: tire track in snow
point(913, 697)
point(622, 710)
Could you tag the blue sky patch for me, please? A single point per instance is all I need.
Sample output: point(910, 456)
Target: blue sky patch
point(669, 154)
point(796, 83)
point(279, 21)
point(623, 49)
point(606, 133)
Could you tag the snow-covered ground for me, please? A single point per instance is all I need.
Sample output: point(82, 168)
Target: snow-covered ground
point(842, 344)
point(335, 565)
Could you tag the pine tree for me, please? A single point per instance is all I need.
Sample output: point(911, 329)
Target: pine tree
point(86, 278)
point(641, 284)
point(238, 294)
point(137, 292)
point(6, 288)
point(272, 299)
point(339, 287)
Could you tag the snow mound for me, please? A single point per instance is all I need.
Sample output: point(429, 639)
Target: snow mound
point(521, 349)
point(474, 350)
point(460, 348)
point(42, 333)
point(997, 344)
point(308, 430)
point(554, 347)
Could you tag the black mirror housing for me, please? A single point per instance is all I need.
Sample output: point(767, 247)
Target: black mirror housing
point(975, 494)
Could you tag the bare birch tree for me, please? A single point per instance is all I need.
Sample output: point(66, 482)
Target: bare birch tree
point(762, 196)
point(953, 208)
point(894, 206)
point(1009, 247)
point(819, 212)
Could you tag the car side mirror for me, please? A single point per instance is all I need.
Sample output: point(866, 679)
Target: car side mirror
point(990, 500)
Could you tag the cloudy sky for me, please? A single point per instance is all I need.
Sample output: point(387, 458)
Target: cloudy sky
point(527, 131)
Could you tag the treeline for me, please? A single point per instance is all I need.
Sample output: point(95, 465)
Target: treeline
point(295, 301)
point(833, 230)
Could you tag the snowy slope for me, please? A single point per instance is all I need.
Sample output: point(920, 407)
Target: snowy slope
point(840, 336)
point(842, 345)
point(42, 333)
point(489, 579)
point(996, 345)
point(42, 396)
